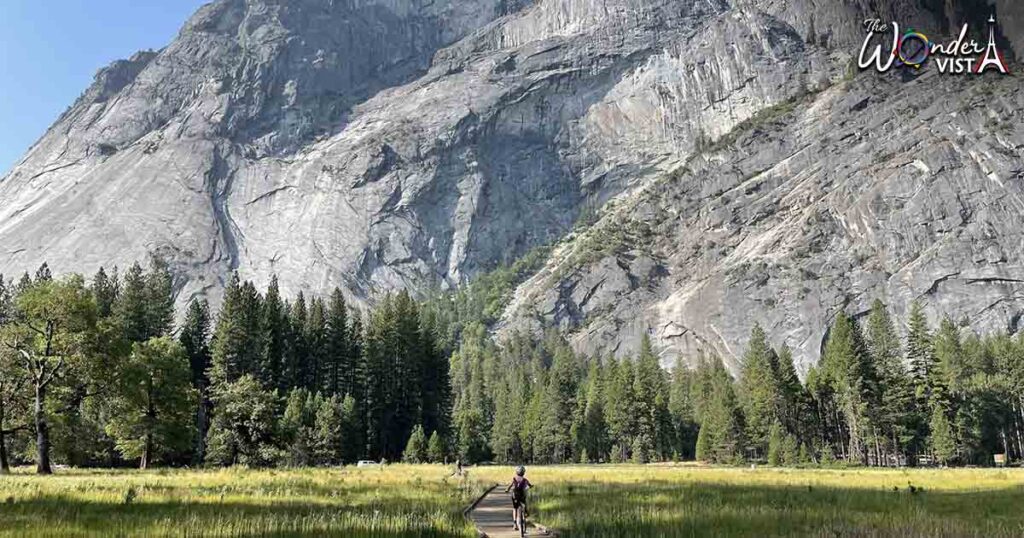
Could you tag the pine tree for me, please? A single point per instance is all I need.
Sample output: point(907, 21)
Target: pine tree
point(758, 390)
point(682, 407)
point(510, 401)
point(297, 346)
point(236, 345)
point(435, 384)
point(776, 441)
point(194, 339)
point(721, 419)
point(416, 449)
point(641, 449)
point(159, 293)
point(296, 428)
point(352, 432)
point(337, 360)
point(848, 369)
point(649, 383)
point(554, 442)
point(943, 444)
point(315, 336)
point(273, 339)
point(436, 452)
point(790, 454)
point(382, 383)
point(594, 435)
point(920, 355)
point(43, 274)
point(106, 290)
point(328, 431)
point(703, 449)
point(131, 308)
point(950, 371)
point(896, 400)
point(621, 410)
point(792, 398)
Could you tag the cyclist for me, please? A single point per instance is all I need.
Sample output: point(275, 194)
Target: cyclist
point(518, 488)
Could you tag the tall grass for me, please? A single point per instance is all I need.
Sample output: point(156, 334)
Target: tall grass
point(397, 501)
point(581, 501)
point(685, 501)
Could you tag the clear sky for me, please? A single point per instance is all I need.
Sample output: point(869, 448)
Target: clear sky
point(50, 50)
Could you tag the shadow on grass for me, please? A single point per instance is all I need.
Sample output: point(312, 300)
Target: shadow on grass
point(68, 516)
point(669, 510)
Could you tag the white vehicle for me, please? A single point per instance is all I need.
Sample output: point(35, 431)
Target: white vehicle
point(366, 463)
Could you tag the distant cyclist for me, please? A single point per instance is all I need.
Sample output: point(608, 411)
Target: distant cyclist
point(518, 488)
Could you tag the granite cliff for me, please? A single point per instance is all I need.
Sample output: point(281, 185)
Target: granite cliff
point(698, 165)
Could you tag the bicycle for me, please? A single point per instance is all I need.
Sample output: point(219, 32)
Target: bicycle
point(522, 519)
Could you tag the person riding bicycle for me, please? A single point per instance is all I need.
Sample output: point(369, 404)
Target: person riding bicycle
point(518, 488)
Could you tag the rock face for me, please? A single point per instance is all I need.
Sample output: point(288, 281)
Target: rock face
point(699, 164)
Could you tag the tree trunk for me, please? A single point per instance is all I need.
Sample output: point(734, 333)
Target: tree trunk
point(202, 425)
point(147, 450)
point(5, 466)
point(42, 433)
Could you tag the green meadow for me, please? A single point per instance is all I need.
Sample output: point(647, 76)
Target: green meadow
point(581, 501)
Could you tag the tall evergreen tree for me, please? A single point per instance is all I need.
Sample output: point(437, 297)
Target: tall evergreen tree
point(920, 355)
point(758, 390)
point(416, 449)
point(329, 431)
point(649, 386)
point(897, 410)
point(315, 334)
point(943, 443)
point(195, 340)
point(236, 345)
point(297, 351)
point(947, 378)
point(682, 406)
point(159, 293)
point(721, 437)
point(105, 289)
point(132, 306)
point(792, 398)
point(553, 442)
point(337, 358)
point(621, 410)
point(436, 451)
point(273, 334)
point(849, 370)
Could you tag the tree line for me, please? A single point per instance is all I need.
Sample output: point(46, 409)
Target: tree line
point(938, 396)
point(96, 374)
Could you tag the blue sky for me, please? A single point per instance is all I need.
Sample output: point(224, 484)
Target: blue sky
point(50, 50)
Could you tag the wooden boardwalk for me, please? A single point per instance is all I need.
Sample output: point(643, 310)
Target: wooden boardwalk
point(493, 517)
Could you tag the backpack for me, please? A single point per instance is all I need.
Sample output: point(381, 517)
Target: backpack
point(519, 489)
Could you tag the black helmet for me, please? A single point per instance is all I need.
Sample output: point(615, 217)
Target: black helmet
point(521, 471)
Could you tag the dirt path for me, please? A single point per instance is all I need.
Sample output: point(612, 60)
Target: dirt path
point(493, 517)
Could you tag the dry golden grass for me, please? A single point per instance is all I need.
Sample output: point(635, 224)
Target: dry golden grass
point(687, 500)
point(582, 501)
